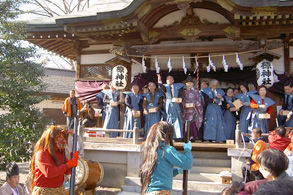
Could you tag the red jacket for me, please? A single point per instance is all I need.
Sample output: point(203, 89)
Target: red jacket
point(277, 142)
point(47, 173)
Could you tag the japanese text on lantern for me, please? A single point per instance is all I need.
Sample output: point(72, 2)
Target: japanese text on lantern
point(265, 73)
point(119, 77)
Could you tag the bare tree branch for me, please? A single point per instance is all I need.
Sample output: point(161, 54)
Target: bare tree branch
point(56, 6)
point(45, 9)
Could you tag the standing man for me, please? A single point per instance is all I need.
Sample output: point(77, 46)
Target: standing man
point(70, 108)
point(173, 92)
point(287, 121)
point(214, 123)
point(11, 186)
point(111, 98)
point(251, 164)
point(251, 88)
point(152, 105)
point(102, 105)
point(204, 101)
point(192, 106)
point(133, 102)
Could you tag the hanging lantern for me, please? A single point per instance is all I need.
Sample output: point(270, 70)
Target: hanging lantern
point(265, 73)
point(119, 77)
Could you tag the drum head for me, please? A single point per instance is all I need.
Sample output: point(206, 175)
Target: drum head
point(81, 172)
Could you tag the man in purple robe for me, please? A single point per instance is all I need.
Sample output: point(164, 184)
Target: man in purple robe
point(192, 106)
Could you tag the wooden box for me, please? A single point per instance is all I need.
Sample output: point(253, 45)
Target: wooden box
point(230, 141)
point(284, 112)
point(233, 109)
point(226, 180)
point(264, 116)
point(177, 100)
point(189, 105)
point(152, 110)
point(136, 114)
point(238, 104)
point(114, 104)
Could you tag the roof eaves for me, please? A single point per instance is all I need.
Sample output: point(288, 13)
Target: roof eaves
point(44, 27)
point(263, 3)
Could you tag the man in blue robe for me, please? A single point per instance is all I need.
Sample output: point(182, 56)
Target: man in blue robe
point(205, 100)
point(111, 98)
point(153, 100)
point(133, 102)
point(287, 121)
point(173, 109)
point(214, 123)
point(102, 105)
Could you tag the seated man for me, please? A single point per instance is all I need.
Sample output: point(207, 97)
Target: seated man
point(88, 115)
point(11, 186)
point(287, 105)
point(251, 164)
point(278, 139)
point(273, 165)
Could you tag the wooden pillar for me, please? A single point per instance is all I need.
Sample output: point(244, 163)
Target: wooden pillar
point(287, 56)
point(77, 50)
point(128, 87)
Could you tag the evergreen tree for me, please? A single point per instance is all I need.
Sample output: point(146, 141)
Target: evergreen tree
point(20, 84)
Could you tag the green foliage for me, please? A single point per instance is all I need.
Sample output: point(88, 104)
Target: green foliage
point(20, 84)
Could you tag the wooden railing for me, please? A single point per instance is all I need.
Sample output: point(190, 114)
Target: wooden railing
point(135, 132)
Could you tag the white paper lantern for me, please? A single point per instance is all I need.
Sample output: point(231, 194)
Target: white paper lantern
point(119, 77)
point(265, 73)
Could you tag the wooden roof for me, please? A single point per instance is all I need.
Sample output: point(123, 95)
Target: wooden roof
point(133, 27)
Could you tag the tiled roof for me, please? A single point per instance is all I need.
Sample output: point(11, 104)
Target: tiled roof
point(59, 80)
point(100, 7)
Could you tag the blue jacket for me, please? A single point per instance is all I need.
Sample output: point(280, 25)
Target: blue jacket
point(162, 177)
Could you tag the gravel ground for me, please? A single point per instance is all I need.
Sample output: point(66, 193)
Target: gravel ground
point(107, 191)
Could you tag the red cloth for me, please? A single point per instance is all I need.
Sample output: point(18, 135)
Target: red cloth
point(87, 90)
point(47, 173)
point(254, 105)
point(277, 142)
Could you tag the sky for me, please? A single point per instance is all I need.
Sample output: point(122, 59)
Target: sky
point(48, 58)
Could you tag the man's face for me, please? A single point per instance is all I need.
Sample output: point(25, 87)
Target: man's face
point(251, 87)
point(60, 141)
point(189, 85)
point(72, 94)
point(135, 89)
point(170, 80)
point(288, 89)
point(203, 85)
point(13, 181)
point(214, 85)
point(254, 135)
point(152, 87)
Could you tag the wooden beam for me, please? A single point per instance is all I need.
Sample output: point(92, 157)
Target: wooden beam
point(51, 43)
point(269, 31)
point(54, 46)
point(105, 51)
point(194, 47)
point(287, 56)
point(203, 30)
